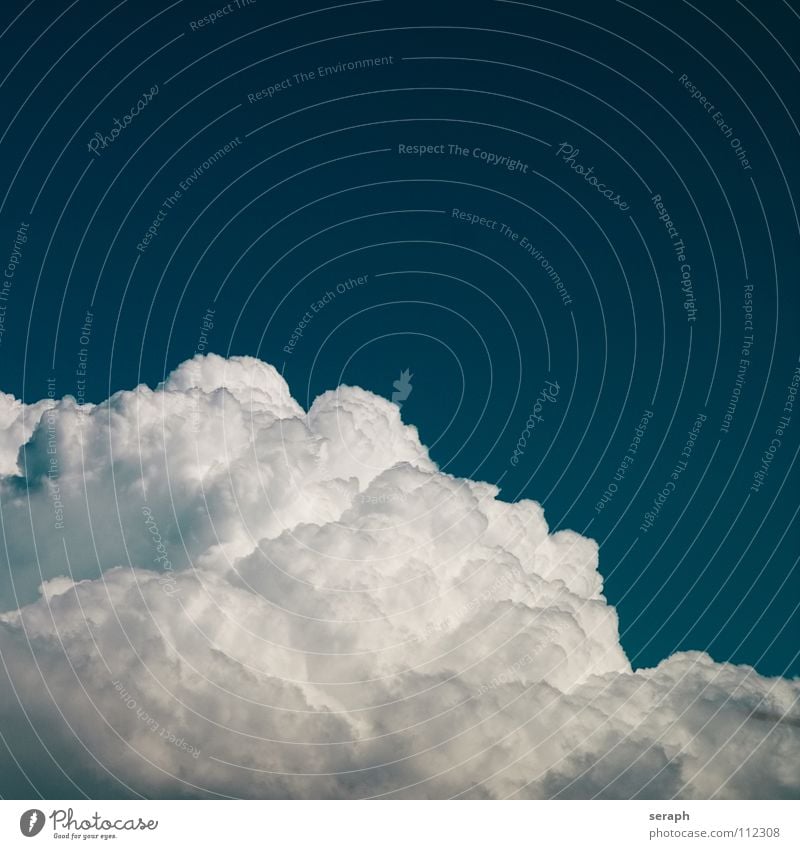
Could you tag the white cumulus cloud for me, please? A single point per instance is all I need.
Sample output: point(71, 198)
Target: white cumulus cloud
point(207, 590)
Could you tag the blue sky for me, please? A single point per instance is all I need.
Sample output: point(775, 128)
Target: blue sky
point(316, 192)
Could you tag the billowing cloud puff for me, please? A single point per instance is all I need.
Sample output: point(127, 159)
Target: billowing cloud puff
point(209, 591)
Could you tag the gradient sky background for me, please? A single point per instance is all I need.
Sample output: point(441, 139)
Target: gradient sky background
point(317, 193)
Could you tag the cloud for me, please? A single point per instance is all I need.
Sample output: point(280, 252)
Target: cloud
point(239, 598)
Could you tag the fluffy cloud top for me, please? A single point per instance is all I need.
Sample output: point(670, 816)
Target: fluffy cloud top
point(209, 591)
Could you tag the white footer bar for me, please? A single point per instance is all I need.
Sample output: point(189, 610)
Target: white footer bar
point(403, 824)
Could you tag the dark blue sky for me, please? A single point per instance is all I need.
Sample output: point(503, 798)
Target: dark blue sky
point(632, 294)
